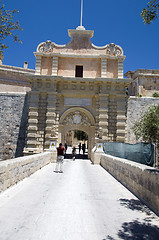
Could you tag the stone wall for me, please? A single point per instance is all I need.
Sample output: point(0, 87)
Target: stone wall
point(13, 124)
point(136, 106)
point(142, 180)
point(14, 170)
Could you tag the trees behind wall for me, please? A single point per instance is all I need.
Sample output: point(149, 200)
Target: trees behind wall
point(80, 135)
point(147, 128)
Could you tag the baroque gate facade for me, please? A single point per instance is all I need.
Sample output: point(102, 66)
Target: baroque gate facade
point(76, 86)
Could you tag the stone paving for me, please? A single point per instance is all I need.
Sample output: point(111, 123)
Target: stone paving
point(83, 203)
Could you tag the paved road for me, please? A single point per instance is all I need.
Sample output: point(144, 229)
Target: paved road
point(83, 203)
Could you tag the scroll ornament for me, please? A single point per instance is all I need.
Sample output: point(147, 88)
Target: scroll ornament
point(46, 47)
point(113, 50)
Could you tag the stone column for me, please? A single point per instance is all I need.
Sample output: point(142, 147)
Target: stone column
point(55, 66)
point(51, 119)
point(32, 123)
point(120, 68)
point(103, 67)
point(103, 116)
point(41, 121)
point(112, 117)
point(38, 65)
point(121, 118)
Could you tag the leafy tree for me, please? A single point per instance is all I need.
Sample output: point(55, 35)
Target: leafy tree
point(147, 127)
point(149, 14)
point(80, 135)
point(8, 26)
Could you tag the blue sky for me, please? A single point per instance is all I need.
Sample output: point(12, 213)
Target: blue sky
point(116, 21)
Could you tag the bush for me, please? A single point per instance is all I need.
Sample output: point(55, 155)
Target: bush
point(155, 94)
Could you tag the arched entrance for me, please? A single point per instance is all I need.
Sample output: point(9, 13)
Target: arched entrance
point(77, 118)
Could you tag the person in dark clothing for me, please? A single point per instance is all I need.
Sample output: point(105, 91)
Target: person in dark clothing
point(83, 148)
point(60, 158)
point(79, 146)
point(65, 147)
point(73, 153)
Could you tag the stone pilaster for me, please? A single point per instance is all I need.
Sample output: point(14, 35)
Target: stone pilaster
point(42, 106)
point(121, 119)
point(51, 119)
point(54, 66)
point(120, 68)
point(103, 116)
point(38, 65)
point(112, 118)
point(103, 67)
point(32, 122)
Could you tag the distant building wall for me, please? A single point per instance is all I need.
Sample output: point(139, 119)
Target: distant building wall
point(145, 82)
point(13, 119)
point(137, 106)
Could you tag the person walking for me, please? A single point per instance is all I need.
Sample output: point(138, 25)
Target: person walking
point(73, 153)
point(83, 148)
point(60, 158)
point(79, 146)
point(65, 147)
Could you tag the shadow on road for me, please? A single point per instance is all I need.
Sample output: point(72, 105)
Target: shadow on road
point(136, 230)
point(78, 156)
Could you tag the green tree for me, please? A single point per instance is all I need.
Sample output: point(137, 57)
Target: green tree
point(8, 26)
point(147, 127)
point(149, 14)
point(80, 135)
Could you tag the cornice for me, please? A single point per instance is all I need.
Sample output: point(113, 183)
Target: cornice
point(64, 55)
point(85, 80)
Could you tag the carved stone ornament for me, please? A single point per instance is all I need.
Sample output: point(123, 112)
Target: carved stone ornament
point(113, 50)
point(53, 132)
point(46, 47)
point(77, 118)
point(100, 133)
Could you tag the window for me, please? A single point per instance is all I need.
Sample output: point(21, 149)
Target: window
point(79, 71)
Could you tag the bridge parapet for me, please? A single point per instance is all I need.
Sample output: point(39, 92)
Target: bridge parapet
point(14, 170)
point(142, 180)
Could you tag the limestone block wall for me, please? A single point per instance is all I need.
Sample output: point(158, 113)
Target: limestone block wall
point(13, 123)
point(91, 67)
point(14, 170)
point(136, 106)
point(140, 179)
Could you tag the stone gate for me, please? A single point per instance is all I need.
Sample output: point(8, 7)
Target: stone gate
point(77, 86)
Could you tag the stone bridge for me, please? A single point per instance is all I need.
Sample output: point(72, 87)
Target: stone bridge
point(84, 203)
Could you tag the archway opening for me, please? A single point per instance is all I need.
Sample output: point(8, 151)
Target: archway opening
point(79, 140)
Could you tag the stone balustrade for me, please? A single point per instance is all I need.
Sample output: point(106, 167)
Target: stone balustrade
point(14, 170)
point(142, 180)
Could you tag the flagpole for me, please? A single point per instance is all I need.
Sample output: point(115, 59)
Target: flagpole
point(81, 11)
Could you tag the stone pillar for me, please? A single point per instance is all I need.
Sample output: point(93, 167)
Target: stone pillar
point(55, 66)
point(103, 67)
point(32, 123)
point(38, 65)
point(42, 105)
point(51, 119)
point(112, 118)
point(121, 119)
point(120, 68)
point(103, 116)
